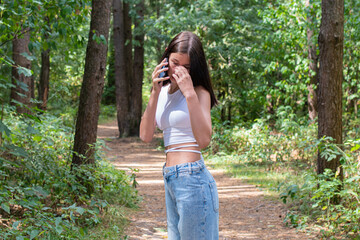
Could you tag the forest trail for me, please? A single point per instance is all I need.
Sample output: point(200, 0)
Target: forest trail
point(244, 212)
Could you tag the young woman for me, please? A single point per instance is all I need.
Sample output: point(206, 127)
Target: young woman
point(180, 104)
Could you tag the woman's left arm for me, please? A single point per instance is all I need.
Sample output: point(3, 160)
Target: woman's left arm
point(199, 105)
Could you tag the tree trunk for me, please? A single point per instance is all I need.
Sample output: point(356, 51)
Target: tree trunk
point(44, 79)
point(129, 65)
point(221, 97)
point(43, 89)
point(313, 60)
point(109, 97)
point(121, 85)
point(138, 70)
point(229, 113)
point(22, 91)
point(158, 40)
point(331, 40)
point(32, 87)
point(93, 83)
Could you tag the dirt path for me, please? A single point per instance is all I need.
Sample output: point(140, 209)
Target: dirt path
point(244, 213)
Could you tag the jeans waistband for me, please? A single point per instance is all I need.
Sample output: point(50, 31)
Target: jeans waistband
point(189, 167)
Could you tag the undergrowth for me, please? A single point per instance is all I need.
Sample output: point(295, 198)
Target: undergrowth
point(40, 197)
point(282, 159)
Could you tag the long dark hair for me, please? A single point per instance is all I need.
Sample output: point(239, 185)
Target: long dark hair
point(189, 43)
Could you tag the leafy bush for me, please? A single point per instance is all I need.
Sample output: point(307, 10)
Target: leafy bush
point(288, 153)
point(312, 200)
point(40, 197)
point(262, 145)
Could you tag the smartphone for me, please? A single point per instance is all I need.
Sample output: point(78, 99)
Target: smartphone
point(165, 73)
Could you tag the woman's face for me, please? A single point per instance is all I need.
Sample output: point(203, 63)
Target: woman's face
point(177, 60)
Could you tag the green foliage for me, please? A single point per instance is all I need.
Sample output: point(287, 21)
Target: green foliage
point(284, 160)
point(257, 52)
point(60, 26)
point(229, 30)
point(312, 199)
point(40, 197)
point(260, 144)
point(257, 55)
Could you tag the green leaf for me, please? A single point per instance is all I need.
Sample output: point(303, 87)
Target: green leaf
point(37, 138)
point(6, 207)
point(37, 119)
point(31, 130)
point(70, 207)
point(59, 229)
point(40, 191)
point(103, 39)
point(17, 151)
point(57, 221)
point(4, 129)
point(27, 56)
point(9, 162)
point(16, 224)
point(353, 96)
point(25, 71)
point(34, 233)
point(82, 232)
point(7, 60)
point(357, 146)
point(104, 204)
point(80, 210)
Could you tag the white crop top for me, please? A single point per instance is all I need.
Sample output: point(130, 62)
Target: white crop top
point(172, 117)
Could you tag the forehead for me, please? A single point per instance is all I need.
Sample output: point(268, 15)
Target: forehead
point(181, 58)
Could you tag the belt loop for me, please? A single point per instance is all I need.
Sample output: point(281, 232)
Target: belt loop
point(190, 169)
point(176, 171)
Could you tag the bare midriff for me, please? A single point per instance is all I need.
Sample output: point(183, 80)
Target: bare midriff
point(175, 158)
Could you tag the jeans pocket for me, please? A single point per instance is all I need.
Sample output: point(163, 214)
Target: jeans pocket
point(214, 196)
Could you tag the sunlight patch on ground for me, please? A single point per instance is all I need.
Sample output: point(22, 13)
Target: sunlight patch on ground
point(108, 127)
point(150, 182)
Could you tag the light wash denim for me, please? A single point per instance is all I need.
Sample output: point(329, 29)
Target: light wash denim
point(192, 202)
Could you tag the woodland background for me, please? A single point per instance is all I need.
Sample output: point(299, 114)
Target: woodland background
point(64, 63)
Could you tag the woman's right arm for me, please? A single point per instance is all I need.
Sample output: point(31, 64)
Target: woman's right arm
point(148, 123)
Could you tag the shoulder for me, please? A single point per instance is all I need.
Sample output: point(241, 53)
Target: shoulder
point(203, 95)
point(201, 91)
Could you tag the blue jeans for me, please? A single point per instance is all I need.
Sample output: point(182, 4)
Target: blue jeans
point(192, 202)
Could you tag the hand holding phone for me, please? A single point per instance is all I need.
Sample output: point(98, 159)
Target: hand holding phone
point(164, 73)
point(160, 75)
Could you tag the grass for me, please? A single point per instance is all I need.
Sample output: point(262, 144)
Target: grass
point(113, 225)
point(264, 176)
